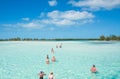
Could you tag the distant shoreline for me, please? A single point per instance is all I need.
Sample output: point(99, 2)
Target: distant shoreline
point(101, 38)
point(60, 40)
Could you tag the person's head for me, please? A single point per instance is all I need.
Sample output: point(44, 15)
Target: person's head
point(41, 72)
point(51, 73)
point(93, 65)
point(47, 57)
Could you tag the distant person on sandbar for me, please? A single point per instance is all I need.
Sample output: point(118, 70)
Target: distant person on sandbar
point(53, 59)
point(52, 50)
point(47, 59)
point(93, 69)
point(60, 45)
point(41, 75)
point(51, 76)
point(56, 46)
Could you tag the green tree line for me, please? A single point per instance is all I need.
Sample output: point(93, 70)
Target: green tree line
point(109, 38)
point(102, 38)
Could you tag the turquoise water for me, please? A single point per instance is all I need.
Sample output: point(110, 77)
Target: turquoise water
point(24, 60)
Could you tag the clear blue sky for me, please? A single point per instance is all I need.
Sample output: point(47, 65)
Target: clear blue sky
point(59, 18)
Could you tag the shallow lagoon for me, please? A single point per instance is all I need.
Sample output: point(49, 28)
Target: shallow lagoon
point(24, 60)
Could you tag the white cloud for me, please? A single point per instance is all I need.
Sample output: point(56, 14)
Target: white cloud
point(63, 22)
point(96, 4)
point(70, 15)
point(68, 18)
point(25, 19)
point(58, 18)
point(33, 24)
point(29, 25)
point(52, 3)
point(58, 22)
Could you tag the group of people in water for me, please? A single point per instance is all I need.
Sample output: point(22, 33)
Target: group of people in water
point(51, 76)
point(53, 59)
point(53, 56)
point(42, 74)
point(47, 59)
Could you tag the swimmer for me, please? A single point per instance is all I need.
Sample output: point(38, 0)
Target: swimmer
point(52, 50)
point(56, 46)
point(93, 69)
point(47, 59)
point(53, 59)
point(60, 45)
point(41, 75)
point(51, 76)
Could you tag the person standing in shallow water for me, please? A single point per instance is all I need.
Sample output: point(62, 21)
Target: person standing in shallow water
point(56, 46)
point(47, 59)
point(51, 76)
point(52, 50)
point(60, 45)
point(41, 75)
point(53, 59)
point(93, 69)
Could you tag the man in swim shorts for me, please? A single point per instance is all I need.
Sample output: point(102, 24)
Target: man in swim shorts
point(41, 75)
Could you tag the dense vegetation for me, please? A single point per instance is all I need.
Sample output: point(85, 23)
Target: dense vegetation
point(36, 39)
point(102, 38)
point(111, 37)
